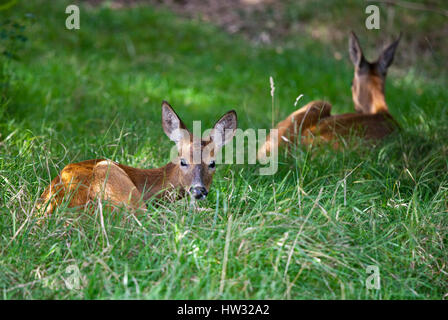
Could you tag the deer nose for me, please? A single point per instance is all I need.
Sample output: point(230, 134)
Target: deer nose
point(198, 192)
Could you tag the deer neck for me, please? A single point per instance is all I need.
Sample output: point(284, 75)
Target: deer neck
point(158, 182)
point(379, 104)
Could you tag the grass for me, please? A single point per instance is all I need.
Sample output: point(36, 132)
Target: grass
point(308, 232)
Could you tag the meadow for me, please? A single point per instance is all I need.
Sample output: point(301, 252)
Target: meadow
point(308, 232)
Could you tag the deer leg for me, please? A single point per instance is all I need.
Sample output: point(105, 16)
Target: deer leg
point(110, 182)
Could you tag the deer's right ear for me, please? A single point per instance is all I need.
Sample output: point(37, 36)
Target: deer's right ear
point(172, 125)
point(355, 50)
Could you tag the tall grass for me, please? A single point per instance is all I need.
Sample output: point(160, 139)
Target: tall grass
point(309, 231)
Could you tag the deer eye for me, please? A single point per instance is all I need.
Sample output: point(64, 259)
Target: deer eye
point(212, 164)
point(183, 163)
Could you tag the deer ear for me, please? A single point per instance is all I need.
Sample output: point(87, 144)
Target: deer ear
point(354, 48)
point(387, 57)
point(224, 129)
point(172, 125)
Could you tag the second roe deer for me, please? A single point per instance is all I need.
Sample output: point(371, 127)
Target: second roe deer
point(314, 122)
point(191, 172)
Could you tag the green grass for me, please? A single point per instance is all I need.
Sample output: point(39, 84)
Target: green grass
point(309, 231)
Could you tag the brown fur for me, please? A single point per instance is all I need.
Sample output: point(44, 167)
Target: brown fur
point(314, 124)
point(296, 124)
point(83, 182)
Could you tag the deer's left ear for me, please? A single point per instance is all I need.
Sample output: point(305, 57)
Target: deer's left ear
point(387, 57)
point(224, 129)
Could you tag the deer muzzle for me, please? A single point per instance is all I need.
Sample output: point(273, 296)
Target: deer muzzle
point(198, 193)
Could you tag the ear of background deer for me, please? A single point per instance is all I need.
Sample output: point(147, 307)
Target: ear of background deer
point(387, 57)
point(172, 125)
point(355, 50)
point(224, 129)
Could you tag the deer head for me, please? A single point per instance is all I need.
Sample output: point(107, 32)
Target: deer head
point(195, 161)
point(369, 79)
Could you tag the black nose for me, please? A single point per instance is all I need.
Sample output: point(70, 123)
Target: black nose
point(198, 192)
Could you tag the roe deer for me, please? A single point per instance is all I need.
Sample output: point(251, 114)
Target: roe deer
point(190, 172)
point(313, 122)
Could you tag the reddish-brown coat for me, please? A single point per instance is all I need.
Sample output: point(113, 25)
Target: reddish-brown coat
point(81, 183)
point(314, 124)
